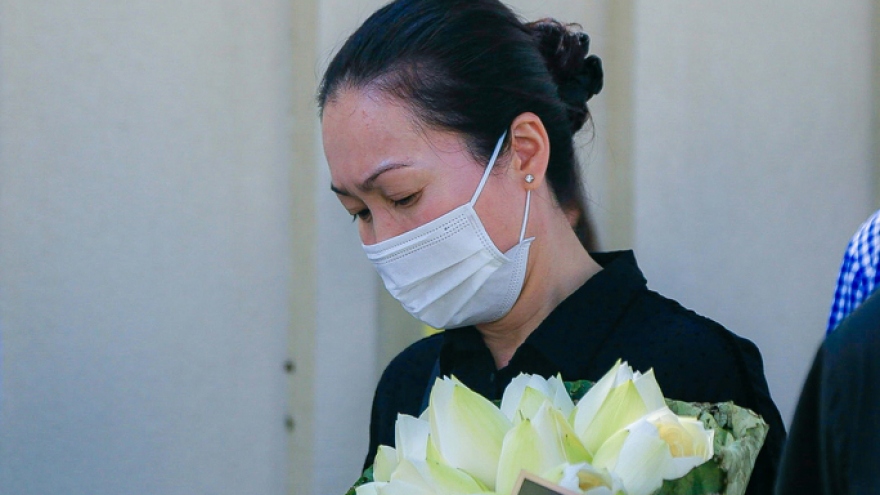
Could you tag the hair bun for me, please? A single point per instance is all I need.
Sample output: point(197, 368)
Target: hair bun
point(577, 75)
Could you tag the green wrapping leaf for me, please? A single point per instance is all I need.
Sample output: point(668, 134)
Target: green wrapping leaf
point(706, 478)
point(364, 479)
point(739, 436)
point(578, 389)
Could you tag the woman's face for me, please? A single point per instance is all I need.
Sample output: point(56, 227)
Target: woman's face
point(394, 176)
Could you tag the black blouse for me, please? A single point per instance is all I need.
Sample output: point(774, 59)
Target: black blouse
point(612, 316)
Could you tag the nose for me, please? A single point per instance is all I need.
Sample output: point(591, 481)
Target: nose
point(381, 228)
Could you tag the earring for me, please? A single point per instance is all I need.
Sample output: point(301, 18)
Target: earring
point(530, 178)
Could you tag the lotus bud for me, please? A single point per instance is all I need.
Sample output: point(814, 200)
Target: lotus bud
point(466, 429)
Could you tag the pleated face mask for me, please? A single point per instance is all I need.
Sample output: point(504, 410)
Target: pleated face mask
point(448, 273)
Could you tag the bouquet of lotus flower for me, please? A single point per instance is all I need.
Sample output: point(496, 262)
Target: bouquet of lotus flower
point(618, 436)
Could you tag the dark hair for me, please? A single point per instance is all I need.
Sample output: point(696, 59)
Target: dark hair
point(472, 66)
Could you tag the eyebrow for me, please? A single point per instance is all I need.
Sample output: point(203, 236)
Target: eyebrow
point(368, 183)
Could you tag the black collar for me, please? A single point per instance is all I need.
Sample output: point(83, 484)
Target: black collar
point(575, 331)
point(570, 336)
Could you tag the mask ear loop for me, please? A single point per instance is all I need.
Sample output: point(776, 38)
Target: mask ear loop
point(522, 233)
point(489, 168)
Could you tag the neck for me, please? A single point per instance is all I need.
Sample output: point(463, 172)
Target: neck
point(558, 266)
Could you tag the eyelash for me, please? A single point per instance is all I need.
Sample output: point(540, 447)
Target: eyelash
point(407, 201)
point(364, 215)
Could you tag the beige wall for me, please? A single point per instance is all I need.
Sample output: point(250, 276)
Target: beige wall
point(752, 163)
point(145, 246)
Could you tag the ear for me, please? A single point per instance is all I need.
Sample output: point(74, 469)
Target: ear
point(531, 149)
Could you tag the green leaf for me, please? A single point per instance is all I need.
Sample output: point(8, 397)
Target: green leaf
point(578, 389)
point(705, 479)
point(365, 478)
point(739, 436)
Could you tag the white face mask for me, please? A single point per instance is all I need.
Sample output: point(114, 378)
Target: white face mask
point(448, 272)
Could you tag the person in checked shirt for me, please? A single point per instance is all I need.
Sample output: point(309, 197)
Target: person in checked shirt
point(859, 275)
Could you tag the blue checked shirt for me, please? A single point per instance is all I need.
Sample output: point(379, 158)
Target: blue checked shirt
point(859, 271)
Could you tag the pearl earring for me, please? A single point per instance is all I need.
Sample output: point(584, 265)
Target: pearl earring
point(530, 178)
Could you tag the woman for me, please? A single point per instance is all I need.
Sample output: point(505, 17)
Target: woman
point(448, 128)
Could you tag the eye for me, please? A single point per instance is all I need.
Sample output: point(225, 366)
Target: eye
point(362, 215)
point(407, 201)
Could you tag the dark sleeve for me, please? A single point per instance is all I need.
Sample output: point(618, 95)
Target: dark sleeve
point(834, 447)
point(756, 396)
point(799, 473)
point(849, 404)
point(738, 375)
point(400, 391)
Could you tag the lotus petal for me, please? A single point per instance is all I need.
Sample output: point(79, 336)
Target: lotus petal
point(649, 390)
point(561, 399)
point(369, 488)
point(433, 454)
point(537, 445)
point(521, 451)
point(586, 479)
point(411, 437)
point(385, 463)
point(437, 478)
point(621, 407)
point(398, 487)
point(590, 403)
point(526, 393)
point(638, 456)
point(689, 443)
point(467, 429)
point(559, 441)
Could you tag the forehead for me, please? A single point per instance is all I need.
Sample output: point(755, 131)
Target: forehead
point(365, 109)
point(362, 130)
point(359, 126)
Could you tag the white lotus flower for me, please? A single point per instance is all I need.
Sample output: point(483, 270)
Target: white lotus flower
point(638, 456)
point(525, 394)
point(411, 438)
point(586, 479)
point(466, 429)
point(538, 445)
point(618, 399)
point(689, 442)
point(656, 447)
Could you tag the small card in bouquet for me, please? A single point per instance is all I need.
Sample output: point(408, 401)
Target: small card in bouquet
point(529, 484)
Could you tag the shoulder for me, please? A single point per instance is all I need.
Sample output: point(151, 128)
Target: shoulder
point(851, 352)
point(666, 322)
point(696, 359)
point(699, 357)
point(862, 250)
